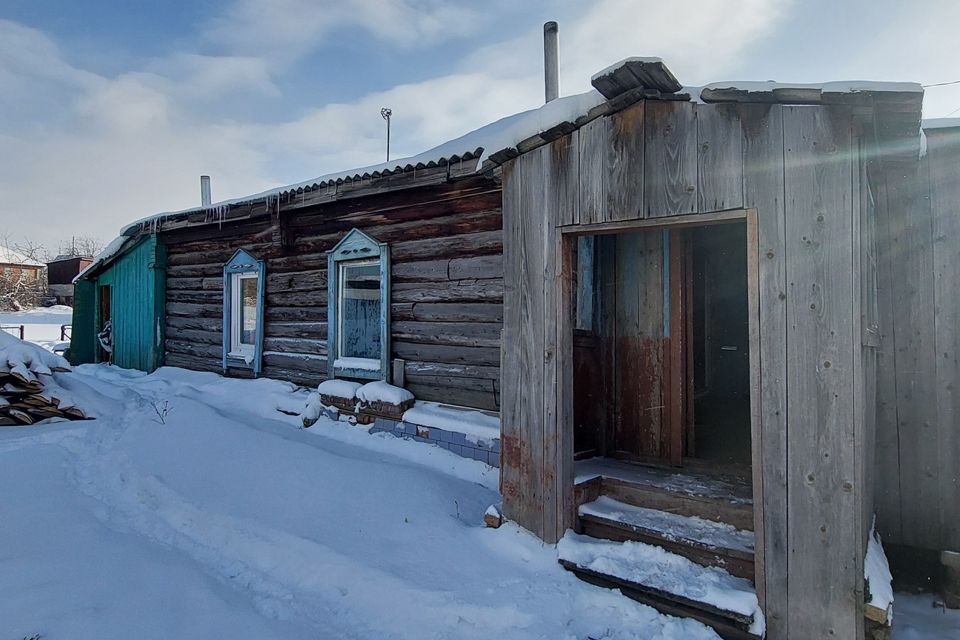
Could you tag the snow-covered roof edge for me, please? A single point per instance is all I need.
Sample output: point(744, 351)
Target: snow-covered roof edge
point(939, 123)
point(9, 256)
point(616, 65)
point(109, 252)
point(479, 143)
point(839, 86)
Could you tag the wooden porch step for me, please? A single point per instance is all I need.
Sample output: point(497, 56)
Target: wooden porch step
point(711, 497)
point(705, 542)
point(668, 582)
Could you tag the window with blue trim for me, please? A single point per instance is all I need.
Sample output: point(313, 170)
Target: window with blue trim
point(358, 310)
point(243, 288)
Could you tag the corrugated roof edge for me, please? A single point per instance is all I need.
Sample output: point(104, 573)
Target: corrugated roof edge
point(109, 252)
point(476, 145)
point(939, 123)
point(11, 257)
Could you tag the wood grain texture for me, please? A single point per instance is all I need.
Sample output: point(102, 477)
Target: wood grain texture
point(764, 190)
point(825, 591)
point(564, 178)
point(720, 159)
point(670, 159)
point(639, 354)
point(448, 265)
point(511, 426)
point(944, 160)
point(887, 485)
point(625, 160)
point(594, 143)
point(910, 239)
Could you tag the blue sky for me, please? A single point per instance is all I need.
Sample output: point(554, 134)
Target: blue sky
point(110, 110)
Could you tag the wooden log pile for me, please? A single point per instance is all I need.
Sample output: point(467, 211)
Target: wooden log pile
point(28, 390)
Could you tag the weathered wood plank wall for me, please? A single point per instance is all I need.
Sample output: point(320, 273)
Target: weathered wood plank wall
point(918, 433)
point(447, 288)
point(698, 159)
point(762, 129)
point(536, 455)
point(823, 497)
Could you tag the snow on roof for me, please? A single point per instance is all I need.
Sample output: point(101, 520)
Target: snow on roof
point(480, 143)
point(616, 65)
point(69, 256)
point(9, 256)
point(842, 86)
point(109, 252)
point(939, 123)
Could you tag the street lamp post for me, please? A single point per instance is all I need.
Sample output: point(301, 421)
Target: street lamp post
point(385, 113)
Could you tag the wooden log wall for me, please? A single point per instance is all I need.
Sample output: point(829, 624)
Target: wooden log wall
point(447, 288)
point(798, 166)
point(917, 470)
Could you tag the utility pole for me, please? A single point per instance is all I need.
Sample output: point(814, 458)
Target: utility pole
point(385, 113)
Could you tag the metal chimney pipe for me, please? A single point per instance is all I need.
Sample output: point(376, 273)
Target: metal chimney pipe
point(205, 200)
point(551, 63)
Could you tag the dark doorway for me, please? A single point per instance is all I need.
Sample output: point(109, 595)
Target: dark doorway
point(105, 328)
point(661, 347)
point(721, 345)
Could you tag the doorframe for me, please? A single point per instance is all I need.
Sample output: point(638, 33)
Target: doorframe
point(567, 239)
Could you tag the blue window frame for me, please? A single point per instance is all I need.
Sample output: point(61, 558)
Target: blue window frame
point(243, 288)
point(358, 308)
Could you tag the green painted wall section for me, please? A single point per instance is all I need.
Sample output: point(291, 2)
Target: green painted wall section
point(83, 337)
point(137, 281)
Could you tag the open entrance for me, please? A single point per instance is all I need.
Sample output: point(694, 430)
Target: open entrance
point(661, 347)
point(104, 325)
point(662, 384)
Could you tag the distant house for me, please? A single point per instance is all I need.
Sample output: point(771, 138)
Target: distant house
point(60, 274)
point(679, 302)
point(15, 265)
point(22, 281)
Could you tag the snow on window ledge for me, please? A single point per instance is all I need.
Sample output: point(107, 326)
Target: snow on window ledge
point(362, 364)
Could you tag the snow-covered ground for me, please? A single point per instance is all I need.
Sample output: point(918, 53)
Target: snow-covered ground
point(41, 325)
point(192, 508)
point(916, 618)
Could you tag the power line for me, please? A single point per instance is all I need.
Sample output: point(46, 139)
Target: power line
point(952, 112)
point(940, 84)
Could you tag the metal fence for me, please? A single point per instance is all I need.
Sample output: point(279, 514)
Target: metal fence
point(14, 329)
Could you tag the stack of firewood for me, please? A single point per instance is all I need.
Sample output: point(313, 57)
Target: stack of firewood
point(28, 389)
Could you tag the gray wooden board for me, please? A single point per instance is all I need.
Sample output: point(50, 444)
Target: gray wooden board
point(824, 590)
point(489, 290)
point(887, 486)
point(763, 190)
point(448, 311)
point(594, 142)
point(625, 164)
point(670, 158)
point(913, 327)
point(554, 186)
point(720, 161)
point(531, 344)
point(944, 160)
point(564, 178)
point(510, 424)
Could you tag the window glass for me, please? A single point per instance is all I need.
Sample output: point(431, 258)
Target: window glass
point(359, 331)
point(248, 310)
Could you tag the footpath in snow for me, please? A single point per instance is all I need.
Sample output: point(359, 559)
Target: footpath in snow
point(192, 508)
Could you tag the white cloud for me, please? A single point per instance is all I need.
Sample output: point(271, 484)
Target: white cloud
point(284, 30)
point(102, 151)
